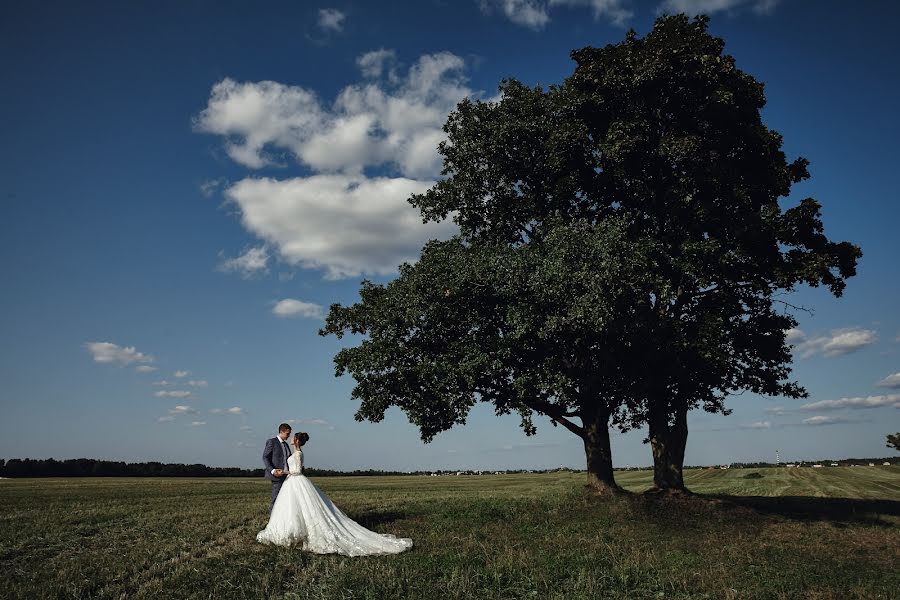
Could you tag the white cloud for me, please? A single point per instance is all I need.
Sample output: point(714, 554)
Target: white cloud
point(613, 10)
point(794, 335)
point(535, 14)
point(331, 19)
point(173, 394)
point(198, 383)
point(234, 410)
point(210, 186)
point(144, 369)
point(181, 374)
point(369, 124)
point(346, 225)
point(756, 425)
point(839, 342)
point(198, 423)
point(378, 62)
point(891, 381)
point(107, 352)
point(182, 410)
point(338, 219)
point(528, 13)
point(695, 7)
point(777, 411)
point(252, 262)
point(253, 115)
point(855, 403)
point(831, 420)
point(297, 308)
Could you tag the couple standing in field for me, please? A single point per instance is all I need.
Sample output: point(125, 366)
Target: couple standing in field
point(302, 514)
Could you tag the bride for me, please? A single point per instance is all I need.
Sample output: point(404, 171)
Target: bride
point(303, 514)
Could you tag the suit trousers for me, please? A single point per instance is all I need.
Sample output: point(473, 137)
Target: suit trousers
point(276, 487)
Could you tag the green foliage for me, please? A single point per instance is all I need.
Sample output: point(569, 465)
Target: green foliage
point(525, 326)
point(621, 250)
point(893, 441)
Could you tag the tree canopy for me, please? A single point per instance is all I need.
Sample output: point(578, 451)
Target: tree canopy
point(621, 254)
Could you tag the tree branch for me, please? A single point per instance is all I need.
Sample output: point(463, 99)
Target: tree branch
point(557, 414)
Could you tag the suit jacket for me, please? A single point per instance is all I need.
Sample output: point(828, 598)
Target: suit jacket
point(274, 458)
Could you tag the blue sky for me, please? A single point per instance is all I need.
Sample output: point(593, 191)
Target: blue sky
point(188, 185)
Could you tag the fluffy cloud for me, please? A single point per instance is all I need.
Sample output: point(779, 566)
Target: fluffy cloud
point(181, 374)
point(339, 219)
point(839, 342)
point(173, 394)
point(855, 403)
point(613, 10)
point(891, 381)
point(375, 123)
point(345, 225)
point(182, 410)
point(252, 262)
point(527, 13)
point(234, 410)
point(695, 7)
point(756, 425)
point(534, 14)
point(377, 62)
point(297, 308)
point(823, 420)
point(777, 411)
point(107, 352)
point(331, 20)
point(144, 369)
point(198, 383)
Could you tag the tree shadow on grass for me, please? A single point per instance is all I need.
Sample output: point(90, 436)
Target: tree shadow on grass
point(839, 511)
point(378, 517)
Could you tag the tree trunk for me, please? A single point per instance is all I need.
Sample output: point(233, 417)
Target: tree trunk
point(598, 452)
point(668, 442)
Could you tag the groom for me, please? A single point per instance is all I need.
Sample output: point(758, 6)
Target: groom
point(275, 460)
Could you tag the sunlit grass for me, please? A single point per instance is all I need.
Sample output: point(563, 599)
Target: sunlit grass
point(829, 533)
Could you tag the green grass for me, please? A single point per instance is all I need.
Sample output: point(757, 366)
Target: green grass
point(798, 533)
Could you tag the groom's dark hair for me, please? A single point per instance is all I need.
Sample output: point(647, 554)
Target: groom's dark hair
point(284, 427)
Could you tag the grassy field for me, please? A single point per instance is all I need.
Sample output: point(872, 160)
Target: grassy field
point(752, 533)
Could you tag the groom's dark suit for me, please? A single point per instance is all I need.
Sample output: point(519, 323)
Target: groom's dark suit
point(275, 457)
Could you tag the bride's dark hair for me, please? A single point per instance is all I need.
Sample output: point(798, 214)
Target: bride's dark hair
point(300, 438)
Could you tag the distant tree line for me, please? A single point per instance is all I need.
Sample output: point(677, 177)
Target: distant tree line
point(89, 467)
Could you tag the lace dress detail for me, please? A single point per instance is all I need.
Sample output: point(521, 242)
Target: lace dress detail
point(304, 516)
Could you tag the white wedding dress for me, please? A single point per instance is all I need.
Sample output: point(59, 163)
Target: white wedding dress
point(303, 514)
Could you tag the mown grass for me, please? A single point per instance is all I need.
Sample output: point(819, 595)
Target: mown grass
point(830, 533)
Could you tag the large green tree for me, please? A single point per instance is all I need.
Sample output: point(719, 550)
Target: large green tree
point(526, 327)
point(652, 159)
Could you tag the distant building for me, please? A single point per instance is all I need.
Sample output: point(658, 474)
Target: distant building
point(886, 464)
point(834, 464)
point(817, 466)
